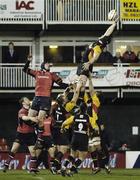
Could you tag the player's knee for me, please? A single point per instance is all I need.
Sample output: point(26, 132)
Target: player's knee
point(32, 151)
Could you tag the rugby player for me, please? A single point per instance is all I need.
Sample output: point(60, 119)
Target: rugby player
point(99, 153)
point(44, 80)
point(90, 56)
point(79, 143)
point(61, 140)
point(25, 135)
point(47, 143)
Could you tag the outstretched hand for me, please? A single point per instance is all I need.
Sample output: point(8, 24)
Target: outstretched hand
point(29, 58)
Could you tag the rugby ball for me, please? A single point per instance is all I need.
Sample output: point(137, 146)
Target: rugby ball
point(112, 15)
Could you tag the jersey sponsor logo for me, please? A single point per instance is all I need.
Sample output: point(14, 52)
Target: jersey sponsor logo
point(81, 132)
point(46, 77)
point(58, 112)
point(80, 120)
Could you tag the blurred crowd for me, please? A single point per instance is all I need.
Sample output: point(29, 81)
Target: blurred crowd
point(64, 55)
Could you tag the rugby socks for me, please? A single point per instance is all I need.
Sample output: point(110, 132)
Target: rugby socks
point(74, 164)
point(55, 164)
point(57, 161)
point(101, 158)
point(11, 156)
point(94, 156)
point(33, 164)
point(43, 157)
point(65, 164)
point(71, 159)
point(78, 162)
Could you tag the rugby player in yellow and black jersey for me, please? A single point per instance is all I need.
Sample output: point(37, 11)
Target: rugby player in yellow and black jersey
point(81, 123)
point(97, 147)
point(90, 56)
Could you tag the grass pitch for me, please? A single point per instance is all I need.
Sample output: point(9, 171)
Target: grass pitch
point(116, 174)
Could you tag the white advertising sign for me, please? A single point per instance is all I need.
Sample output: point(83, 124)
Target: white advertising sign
point(132, 159)
point(21, 11)
point(104, 76)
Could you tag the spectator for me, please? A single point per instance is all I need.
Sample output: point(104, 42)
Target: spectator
point(129, 56)
point(138, 56)
point(11, 55)
point(117, 58)
point(105, 57)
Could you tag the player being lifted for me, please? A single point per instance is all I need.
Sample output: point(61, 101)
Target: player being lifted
point(44, 80)
point(90, 56)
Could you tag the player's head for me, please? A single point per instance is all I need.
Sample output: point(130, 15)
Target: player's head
point(45, 66)
point(25, 102)
point(103, 41)
point(61, 99)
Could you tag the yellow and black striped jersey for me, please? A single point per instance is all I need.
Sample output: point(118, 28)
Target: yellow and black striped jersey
point(96, 49)
point(80, 122)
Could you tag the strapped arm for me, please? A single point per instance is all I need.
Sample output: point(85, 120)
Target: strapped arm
point(26, 67)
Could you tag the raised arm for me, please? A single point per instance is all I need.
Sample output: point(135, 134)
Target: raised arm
point(29, 118)
point(26, 66)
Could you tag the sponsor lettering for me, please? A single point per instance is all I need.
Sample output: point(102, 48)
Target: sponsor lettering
point(99, 74)
point(24, 5)
point(133, 83)
point(133, 73)
point(130, 5)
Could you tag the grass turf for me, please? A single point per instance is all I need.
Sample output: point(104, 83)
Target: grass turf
point(116, 174)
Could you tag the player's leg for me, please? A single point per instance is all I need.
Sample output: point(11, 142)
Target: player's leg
point(103, 161)
point(71, 159)
point(81, 83)
point(44, 106)
point(81, 157)
point(95, 147)
point(95, 165)
point(33, 161)
point(61, 150)
point(81, 145)
point(29, 140)
point(33, 111)
point(11, 155)
point(54, 163)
